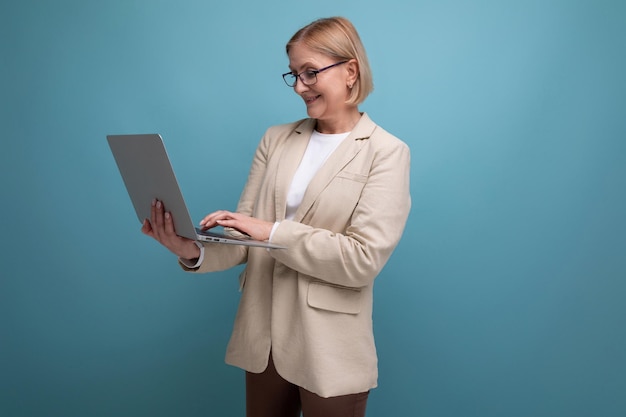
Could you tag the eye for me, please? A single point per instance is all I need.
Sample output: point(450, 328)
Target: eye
point(309, 74)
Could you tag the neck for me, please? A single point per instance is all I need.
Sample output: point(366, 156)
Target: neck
point(342, 124)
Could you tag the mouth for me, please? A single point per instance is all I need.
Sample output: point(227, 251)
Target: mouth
point(310, 100)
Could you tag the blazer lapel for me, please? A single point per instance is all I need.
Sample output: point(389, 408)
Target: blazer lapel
point(344, 153)
point(290, 158)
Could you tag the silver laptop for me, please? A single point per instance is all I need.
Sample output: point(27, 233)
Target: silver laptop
point(148, 175)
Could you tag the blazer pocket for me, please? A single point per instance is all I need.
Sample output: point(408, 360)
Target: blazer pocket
point(354, 176)
point(335, 298)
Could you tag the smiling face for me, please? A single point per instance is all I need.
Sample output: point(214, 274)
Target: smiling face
point(326, 99)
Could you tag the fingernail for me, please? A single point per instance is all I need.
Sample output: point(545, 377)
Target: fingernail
point(153, 202)
point(167, 215)
point(158, 204)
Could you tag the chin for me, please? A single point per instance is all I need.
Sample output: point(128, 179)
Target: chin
point(313, 114)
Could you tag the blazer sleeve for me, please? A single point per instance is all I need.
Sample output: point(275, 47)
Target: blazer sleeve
point(354, 257)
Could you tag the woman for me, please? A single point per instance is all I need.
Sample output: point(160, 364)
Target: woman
point(334, 190)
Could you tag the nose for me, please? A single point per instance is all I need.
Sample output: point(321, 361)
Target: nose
point(300, 87)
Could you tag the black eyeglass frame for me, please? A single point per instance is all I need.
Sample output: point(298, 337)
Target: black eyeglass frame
point(297, 77)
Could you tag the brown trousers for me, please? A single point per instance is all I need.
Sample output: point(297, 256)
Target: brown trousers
point(269, 395)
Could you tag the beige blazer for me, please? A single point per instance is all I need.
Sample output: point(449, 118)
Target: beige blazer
point(311, 304)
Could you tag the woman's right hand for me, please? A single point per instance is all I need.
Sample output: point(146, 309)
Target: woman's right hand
point(160, 226)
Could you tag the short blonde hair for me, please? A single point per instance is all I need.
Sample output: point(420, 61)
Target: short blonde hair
point(336, 37)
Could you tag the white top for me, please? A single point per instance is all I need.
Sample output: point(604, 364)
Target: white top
point(320, 146)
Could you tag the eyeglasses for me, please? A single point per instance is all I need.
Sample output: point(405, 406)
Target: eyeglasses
point(308, 77)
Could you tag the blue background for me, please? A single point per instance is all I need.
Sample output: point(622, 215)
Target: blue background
point(506, 294)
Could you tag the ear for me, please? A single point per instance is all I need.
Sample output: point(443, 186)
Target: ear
point(352, 68)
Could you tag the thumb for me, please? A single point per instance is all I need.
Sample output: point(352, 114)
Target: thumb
point(146, 228)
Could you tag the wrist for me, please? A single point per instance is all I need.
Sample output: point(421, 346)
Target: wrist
point(193, 251)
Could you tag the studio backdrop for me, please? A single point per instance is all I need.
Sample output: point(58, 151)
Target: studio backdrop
point(505, 297)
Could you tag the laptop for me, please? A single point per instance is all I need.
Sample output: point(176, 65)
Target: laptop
point(147, 173)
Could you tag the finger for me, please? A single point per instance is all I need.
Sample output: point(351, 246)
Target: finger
point(158, 224)
point(206, 220)
point(238, 224)
point(211, 219)
point(169, 224)
point(229, 215)
point(227, 223)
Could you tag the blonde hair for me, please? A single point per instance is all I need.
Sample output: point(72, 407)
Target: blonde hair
point(336, 37)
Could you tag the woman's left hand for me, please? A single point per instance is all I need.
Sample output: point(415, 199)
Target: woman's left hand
point(253, 227)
